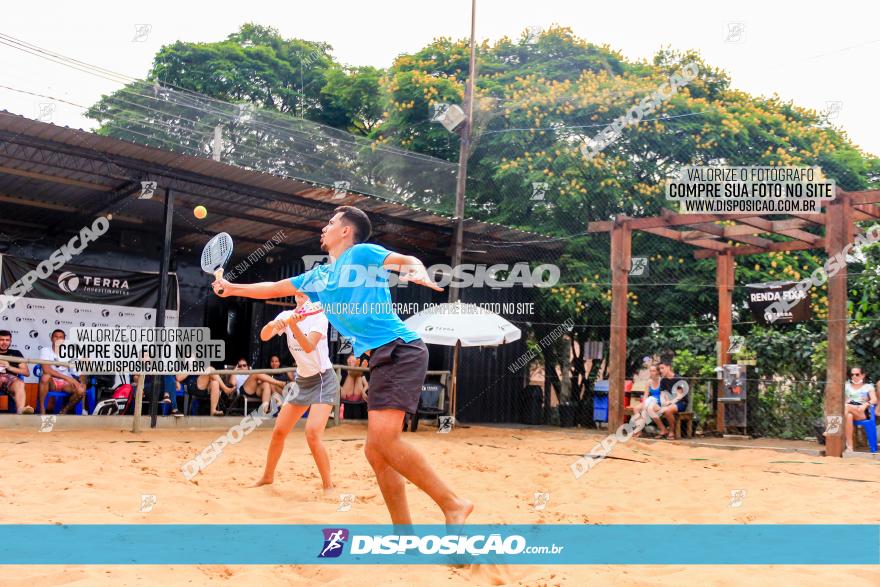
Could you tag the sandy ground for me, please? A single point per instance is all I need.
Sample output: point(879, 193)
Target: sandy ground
point(98, 476)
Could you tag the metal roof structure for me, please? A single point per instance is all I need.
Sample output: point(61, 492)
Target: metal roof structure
point(51, 177)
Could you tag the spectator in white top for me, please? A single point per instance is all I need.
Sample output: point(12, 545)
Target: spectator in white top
point(59, 377)
point(255, 384)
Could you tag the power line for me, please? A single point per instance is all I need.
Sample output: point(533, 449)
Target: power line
point(107, 74)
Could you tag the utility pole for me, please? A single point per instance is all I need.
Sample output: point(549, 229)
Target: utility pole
point(218, 141)
point(465, 151)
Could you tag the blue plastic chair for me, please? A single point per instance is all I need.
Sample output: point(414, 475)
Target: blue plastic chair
point(870, 426)
point(91, 393)
point(61, 397)
point(167, 407)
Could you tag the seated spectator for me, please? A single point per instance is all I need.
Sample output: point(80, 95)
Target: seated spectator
point(173, 381)
point(58, 377)
point(275, 363)
point(180, 379)
point(650, 405)
point(859, 397)
point(10, 382)
point(673, 399)
point(211, 384)
point(354, 385)
point(256, 384)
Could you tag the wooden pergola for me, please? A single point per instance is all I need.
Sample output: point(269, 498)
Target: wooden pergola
point(745, 235)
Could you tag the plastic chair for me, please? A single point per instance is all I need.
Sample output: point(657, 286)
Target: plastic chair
point(170, 382)
point(91, 395)
point(191, 402)
point(870, 426)
point(61, 397)
point(177, 394)
point(430, 399)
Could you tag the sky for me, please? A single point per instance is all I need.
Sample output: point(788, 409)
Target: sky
point(821, 55)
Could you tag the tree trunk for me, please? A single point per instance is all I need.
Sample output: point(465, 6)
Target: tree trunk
point(565, 393)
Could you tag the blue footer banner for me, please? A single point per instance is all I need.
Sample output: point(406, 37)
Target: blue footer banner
point(269, 544)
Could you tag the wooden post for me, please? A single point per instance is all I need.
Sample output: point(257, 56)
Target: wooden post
point(454, 393)
point(621, 261)
point(838, 233)
point(161, 302)
point(138, 403)
point(724, 277)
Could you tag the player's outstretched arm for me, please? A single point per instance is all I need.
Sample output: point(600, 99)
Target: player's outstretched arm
point(265, 290)
point(411, 269)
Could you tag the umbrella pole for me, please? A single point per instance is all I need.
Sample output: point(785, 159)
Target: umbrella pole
point(455, 379)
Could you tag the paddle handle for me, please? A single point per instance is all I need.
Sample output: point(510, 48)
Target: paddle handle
point(218, 275)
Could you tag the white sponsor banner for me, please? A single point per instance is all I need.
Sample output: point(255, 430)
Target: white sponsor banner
point(31, 320)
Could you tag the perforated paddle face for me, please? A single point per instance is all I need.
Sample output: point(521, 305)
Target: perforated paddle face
point(216, 253)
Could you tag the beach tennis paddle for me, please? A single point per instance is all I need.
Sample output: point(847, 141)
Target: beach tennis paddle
point(309, 309)
point(216, 253)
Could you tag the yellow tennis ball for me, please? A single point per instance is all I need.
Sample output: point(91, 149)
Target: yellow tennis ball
point(200, 212)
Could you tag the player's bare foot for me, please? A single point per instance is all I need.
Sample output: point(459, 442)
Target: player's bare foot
point(457, 513)
point(263, 481)
point(329, 491)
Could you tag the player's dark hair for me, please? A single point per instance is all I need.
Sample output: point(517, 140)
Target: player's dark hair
point(667, 362)
point(58, 330)
point(358, 220)
point(5, 333)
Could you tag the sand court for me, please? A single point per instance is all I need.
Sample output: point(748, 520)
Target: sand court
point(101, 476)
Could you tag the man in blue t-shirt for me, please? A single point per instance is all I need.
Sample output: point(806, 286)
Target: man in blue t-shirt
point(353, 291)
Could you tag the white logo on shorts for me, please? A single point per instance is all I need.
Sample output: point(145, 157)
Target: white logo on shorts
point(291, 392)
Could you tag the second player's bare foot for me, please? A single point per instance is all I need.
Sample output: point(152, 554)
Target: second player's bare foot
point(263, 481)
point(329, 491)
point(457, 513)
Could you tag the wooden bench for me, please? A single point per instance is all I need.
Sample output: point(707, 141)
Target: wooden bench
point(680, 419)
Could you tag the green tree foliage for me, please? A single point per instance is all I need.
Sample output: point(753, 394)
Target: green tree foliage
point(256, 66)
point(538, 99)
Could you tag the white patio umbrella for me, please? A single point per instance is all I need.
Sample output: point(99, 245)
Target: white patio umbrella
point(459, 325)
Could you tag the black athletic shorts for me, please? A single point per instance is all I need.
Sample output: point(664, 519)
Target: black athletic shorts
point(397, 372)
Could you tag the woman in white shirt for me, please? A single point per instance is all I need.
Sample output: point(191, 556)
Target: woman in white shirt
point(254, 384)
point(859, 396)
point(315, 386)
